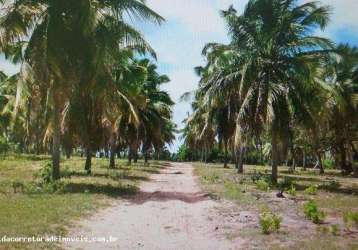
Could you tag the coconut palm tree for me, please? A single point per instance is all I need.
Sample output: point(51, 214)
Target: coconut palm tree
point(342, 104)
point(276, 57)
point(66, 44)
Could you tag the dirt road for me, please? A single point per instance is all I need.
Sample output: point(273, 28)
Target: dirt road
point(169, 212)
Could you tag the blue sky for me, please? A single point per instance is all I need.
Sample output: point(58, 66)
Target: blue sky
point(193, 23)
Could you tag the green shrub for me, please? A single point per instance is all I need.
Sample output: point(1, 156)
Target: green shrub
point(270, 222)
point(311, 190)
point(45, 173)
point(232, 190)
point(4, 146)
point(211, 179)
point(328, 164)
point(334, 229)
point(33, 188)
point(263, 185)
point(65, 172)
point(47, 184)
point(256, 176)
point(333, 185)
point(285, 184)
point(18, 186)
point(57, 186)
point(323, 229)
point(313, 213)
point(351, 219)
point(292, 190)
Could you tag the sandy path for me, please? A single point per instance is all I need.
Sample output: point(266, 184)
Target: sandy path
point(169, 212)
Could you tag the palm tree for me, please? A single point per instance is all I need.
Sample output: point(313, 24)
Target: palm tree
point(342, 104)
point(276, 59)
point(67, 43)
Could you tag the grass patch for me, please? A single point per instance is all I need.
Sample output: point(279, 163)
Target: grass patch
point(28, 212)
point(334, 195)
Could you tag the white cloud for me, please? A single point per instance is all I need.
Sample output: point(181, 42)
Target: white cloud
point(7, 67)
point(182, 81)
point(344, 17)
point(197, 15)
point(344, 13)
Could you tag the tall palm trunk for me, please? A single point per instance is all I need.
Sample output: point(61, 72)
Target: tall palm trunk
point(88, 164)
point(135, 157)
point(146, 157)
point(112, 148)
point(274, 142)
point(68, 153)
point(345, 168)
point(240, 160)
point(130, 155)
point(56, 139)
point(145, 152)
point(293, 163)
point(304, 163)
point(320, 165)
point(225, 154)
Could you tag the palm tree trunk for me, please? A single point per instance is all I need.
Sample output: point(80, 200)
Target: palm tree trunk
point(135, 156)
point(88, 165)
point(145, 152)
point(146, 157)
point(112, 142)
point(274, 144)
point(68, 153)
point(320, 165)
point(225, 154)
point(236, 159)
point(56, 140)
point(130, 155)
point(346, 169)
point(293, 163)
point(240, 160)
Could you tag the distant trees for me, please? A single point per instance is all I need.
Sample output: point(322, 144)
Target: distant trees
point(80, 83)
point(276, 82)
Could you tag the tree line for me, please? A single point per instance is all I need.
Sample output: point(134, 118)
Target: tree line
point(87, 80)
point(276, 93)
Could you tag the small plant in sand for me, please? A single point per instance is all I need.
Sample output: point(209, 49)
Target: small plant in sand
point(292, 190)
point(47, 184)
point(212, 178)
point(313, 213)
point(269, 222)
point(334, 229)
point(18, 185)
point(285, 184)
point(333, 185)
point(350, 219)
point(311, 190)
point(263, 185)
point(256, 176)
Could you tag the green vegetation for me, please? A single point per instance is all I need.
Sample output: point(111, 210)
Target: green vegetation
point(270, 222)
point(313, 213)
point(37, 210)
point(292, 190)
point(87, 83)
point(311, 190)
point(263, 185)
point(335, 206)
point(351, 219)
point(276, 93)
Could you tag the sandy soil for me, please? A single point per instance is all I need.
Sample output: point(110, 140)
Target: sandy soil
point(169, 212)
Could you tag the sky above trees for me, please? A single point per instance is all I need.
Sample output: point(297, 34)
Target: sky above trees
point(191, 24)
